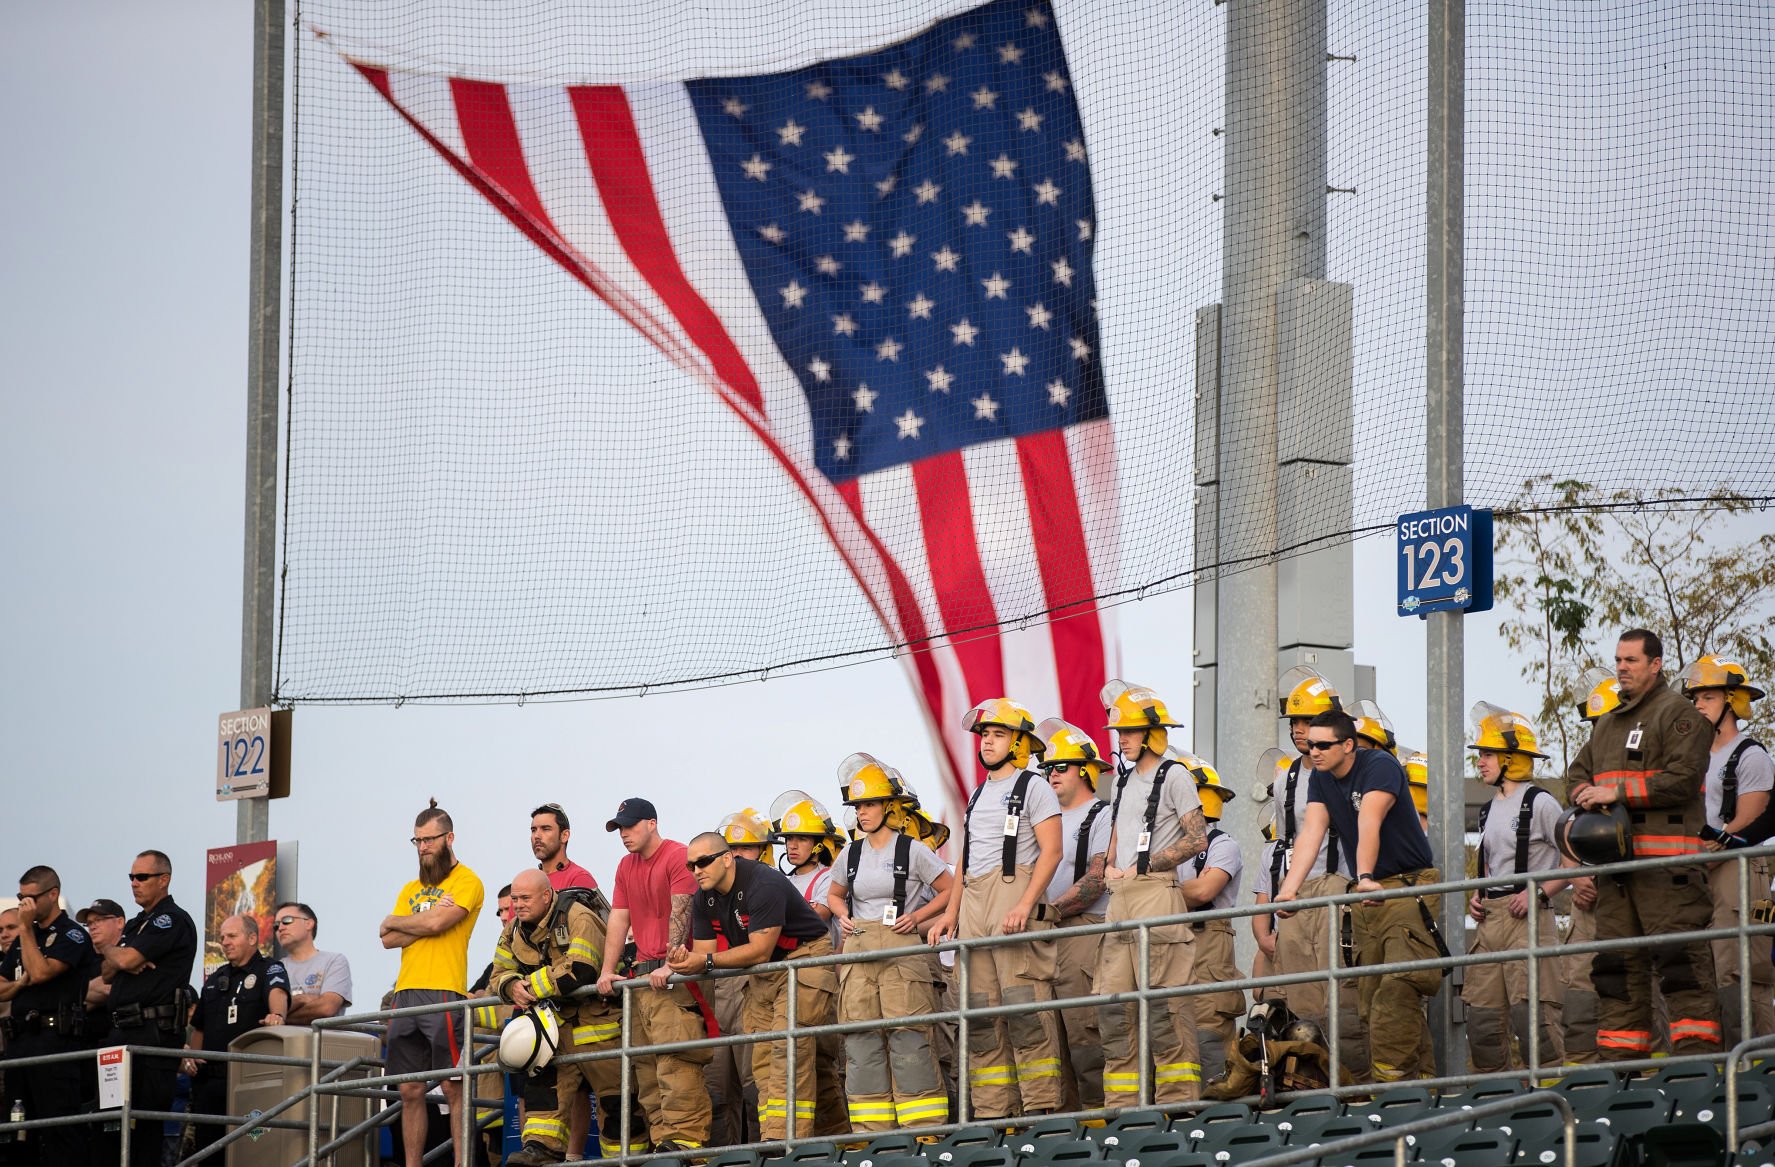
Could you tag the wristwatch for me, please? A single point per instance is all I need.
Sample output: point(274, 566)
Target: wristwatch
point(1368, 875)
point(708, 962)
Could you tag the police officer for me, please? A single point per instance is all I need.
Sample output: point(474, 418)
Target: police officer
point(248, 991)
point(1650, 754)
point(1074, 769)
point(149, 972)
point(44, 975)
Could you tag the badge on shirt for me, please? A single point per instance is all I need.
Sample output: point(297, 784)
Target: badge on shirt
point(1144, 842)
point(1634, 737)
point(1011, 821)
point(890, 916)
point(234, 1014)
point(252, 979)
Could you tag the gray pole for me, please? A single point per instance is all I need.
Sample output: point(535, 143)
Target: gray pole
point(1273, 234)
point(1443, 466)
point(264, 297)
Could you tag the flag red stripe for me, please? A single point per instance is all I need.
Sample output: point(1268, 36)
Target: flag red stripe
point(484, 116)
point(613, 150)
point(952, 551)
point(1065, 562)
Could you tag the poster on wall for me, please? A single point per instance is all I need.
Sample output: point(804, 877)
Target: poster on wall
point(240, 880)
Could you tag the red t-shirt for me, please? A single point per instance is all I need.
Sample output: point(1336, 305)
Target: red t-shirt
point(646, 887)
point(570, 874)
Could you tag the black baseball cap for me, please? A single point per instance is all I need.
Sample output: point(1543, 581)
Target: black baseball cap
point(100, 910)
point(630, 812)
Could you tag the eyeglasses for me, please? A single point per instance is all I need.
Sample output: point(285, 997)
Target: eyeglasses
point(1333, 743)
point(145, 876)
point(703, 861)
point(282, 920)
point(422, 840)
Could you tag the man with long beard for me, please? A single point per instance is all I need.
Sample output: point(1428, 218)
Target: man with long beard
point(433, 918)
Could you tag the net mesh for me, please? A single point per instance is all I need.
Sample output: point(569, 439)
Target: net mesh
point(498, 485)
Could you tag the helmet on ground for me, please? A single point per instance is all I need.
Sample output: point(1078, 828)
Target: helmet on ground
point(1306, 693)
point(1717, 672)
point(1134, 708)
point(529, 1040)
point(864, 778)
point(1602, 693)
point(1417, 776)
point(1595, 836)
point(1209, 788)
point(747, 828)
point(1374, 726)
point(1304, 1029)
point(1510, 734)
point(1068, 743)
point(798, 814)
point(1007, 714)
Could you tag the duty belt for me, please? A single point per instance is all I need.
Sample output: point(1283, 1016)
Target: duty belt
point(643, 967)
point(136, 1016)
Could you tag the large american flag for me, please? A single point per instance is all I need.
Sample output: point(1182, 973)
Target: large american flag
point(882, 265)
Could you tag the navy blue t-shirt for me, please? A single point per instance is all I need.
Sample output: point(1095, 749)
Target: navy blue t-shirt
point(1404, 846)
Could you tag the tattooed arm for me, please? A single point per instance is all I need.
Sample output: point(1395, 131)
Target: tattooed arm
point(1086, 891)
point(1193, 842)
point(678, 930)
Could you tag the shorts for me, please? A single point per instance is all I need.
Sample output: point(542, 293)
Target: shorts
point(429, 1041)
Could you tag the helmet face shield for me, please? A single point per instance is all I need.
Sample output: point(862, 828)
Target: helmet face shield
point(1006, 714)
point(1132, 707)
point(1374, 725)
point(1502, 731)
point(1067, 743)
point(1718, 672)
point(1304, 692)
point(1602, 693)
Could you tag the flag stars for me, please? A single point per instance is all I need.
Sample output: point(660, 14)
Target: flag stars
point(792, 295)
point(843, 325)
point(888, 350)
point(827, 265)
point(1035, 17)
point(946, 260)
point(919, 307)
point(985, 408)
point(1046, 192)
point(756, 167)
point(865, 398)
point(896, 80)
point(841, 448)
point(810, 202)
point(936, 83)
point(818, 91)
point(873, 293)
point(820, 368)
point(1039, 316)
point(1058, 393)
point(790, 133)
point(1056, 82)
point(957, 143)
point(964, 332)
point(974, 214)
point(940, 379)
point(1015, 362)
point(927, 191)
point(734, 107)
point(1062, 272)
point(996, 286)
point(1029, 120)
point(773, 233)
point(839, 160)
point(856, 231)
point(870, 120)
point(1084, 229)
point(1081, 351)
point(1022, 239)
point(964, 42)
point(911, 137)
point(1075, 150)
point(1010, 54)
point(910, 423)
point(886, 186)
point(984, 98)
point(1004, 166)
point(900, 246)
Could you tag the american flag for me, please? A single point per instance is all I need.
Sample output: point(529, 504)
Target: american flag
point(882, 265)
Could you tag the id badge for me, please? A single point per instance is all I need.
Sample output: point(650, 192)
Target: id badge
point(1144, 842)
point(1011, 821)
point(1634, 738)
point(890, 916)
point(234, 1014)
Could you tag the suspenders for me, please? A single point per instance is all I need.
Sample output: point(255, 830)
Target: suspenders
point(1143, 855)
point(1525, 821)
point(1083, 857)
point(1285, 845)
point(1013, 809)
point(1202, 859)
point(1729, 782)
point(902, 871)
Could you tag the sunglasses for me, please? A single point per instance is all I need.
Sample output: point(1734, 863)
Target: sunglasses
point(703, 861)
point(1333, 743)
point(290, 919)
point(144, 877)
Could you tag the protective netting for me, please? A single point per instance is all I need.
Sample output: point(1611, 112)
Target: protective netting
point(522, 461)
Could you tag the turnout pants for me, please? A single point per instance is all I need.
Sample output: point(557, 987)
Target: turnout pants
point(729, 1072)
point(671, 1085)
point(891, 1078)
point(1015, 1062)
point(1302, 946)
point(1646, 904)
point(767, 1008)
point(1217, 1014)
point(1579, 998)
point(1498, 1008)
point(1392, 1004)
point(1722, 882)
point(1075, 964)
point(549, 1094)
point(1175, 1065)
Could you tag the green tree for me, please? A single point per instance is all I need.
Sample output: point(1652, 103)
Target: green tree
point(1575, 571)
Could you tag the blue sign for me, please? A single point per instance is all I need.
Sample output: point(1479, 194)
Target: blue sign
point(1445, 561)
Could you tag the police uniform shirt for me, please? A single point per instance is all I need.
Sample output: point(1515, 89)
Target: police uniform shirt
point(1222, 853)
point(1279, 793)
point(1097, 844)
point(986, 826)
point(1403, 845)
point(1177, 799)
point(235, 1000)
point(167, 940)
point(874, 889)
point(761, 897)
point(1499, 836)
point(1756, 772)
point(65, 941)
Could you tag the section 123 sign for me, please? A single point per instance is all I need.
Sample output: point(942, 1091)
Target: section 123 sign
point(1445, 561)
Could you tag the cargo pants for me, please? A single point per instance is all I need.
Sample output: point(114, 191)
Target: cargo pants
point(729, 1072)
point(1392, 1004)
point(1173, 1059)
point(891, 1079)
point(1646, 904)
point(1075, 965)
point(1217, 1014)
point(1722, 882)
point(550, 1093)
point(1303, 945)
point(1016, 1063)
point(1497, 994)
point(1578, 1000)
point(767, 1008)
point(671, 1086)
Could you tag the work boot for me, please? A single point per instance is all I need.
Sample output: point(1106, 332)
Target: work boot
point(534, 1154)
point(674, 1147)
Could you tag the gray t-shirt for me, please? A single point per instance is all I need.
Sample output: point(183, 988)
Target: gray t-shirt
point(1279, 796)
point(1070, 822)
point(875, 877)
point(1499, 836)
point(324, 972)
point(986, 826)
point(1223, 853)
point(1266, 863)
point(1176, 799)
point(1756, 771)
point(813, 884)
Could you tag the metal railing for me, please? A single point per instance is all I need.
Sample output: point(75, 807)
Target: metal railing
point(326, 1077)
point(1401, 1135)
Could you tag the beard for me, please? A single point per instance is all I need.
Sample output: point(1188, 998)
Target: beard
point(434, 867)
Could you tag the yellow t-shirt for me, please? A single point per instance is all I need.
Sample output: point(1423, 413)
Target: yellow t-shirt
point(440, 962)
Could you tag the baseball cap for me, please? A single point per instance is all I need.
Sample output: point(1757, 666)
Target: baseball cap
point(99, 910)
point(630, 812)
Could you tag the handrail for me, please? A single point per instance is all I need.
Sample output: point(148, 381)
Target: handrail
point(1399, 1134)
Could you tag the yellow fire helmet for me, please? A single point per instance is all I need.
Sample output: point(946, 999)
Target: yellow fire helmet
point(1511, 734)
point(747, 828)
point(1417, 773)
point(796, 813)
point(1374, 726)
point(1306, 693)
point(1066, 743)
point(1272, 774)
point(864, 778)
point(1209, 788)
point(1717, 672)
point(1002, 711)
point(908, 816)
point(1134, 707)
point(1602, 693)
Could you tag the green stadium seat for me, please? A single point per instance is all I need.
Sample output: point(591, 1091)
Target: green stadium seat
point(1044, 1152)
point(1131, 1122)
point(1683, 1144)
point(1632, 1112)
point(898, 1143)
point(1458, 1147)
point(1688, 1086)
point(1380, 1153)
point(820, 1152)
point(1308, 1129)
point(1143, 1145)
point(943, 1151)
point(1227, 1114)
point(1595, 1145)
point(1174, 1159)
point(899, 1160)
point(1023, 1142)
point(1756, 1105)
point(1392, 1107)
point(1230, 1144)
point(1483, 1093)
point(1312, 1104)
point(980, 1157)
point(1594, 1082)
point(1532, 1124)
point(735, 1159)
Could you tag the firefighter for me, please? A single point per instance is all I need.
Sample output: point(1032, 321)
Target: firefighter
point(1210, 881)
point(810, 839)
point(885, 887)
point(729, 1073)
point(1516, 835)
point(1374, 729)
point(1417, 775)
point(1650, 755)
point(1601, 693)
point(1010, 850)
point(1740, 776)
point(1156, 828)
point(552, 945)
point(1074, 770)
point(1365, 795)
point(1302, 945)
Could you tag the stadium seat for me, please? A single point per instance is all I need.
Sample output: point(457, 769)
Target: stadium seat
point(1174, 1159)
point(1023, 1142)
point(1392, 1107)
point(1532, 1124)
point(1748, 1158)
point(1594, 1082)
point(1043, 1152)
point(1756, 1104)
point(1632, 1112)
point(1595, 1146)
point(736, 1159)
point(1688, 1086)
point(1227, 1114)
point(898, 1143)
point(1683, 1144)
point(1483, 1093)
point(899, 1160)
point(1143, 1145)
point(943, 1151)
point(1322, 1128)
point(1458, 1147)
point(1380, 1153)
point(1130, 1122)
point(979, 1157)
point(1234, 1144)
point(1313, 1104)
point(820, 1152)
